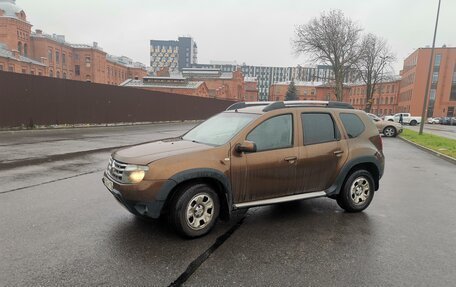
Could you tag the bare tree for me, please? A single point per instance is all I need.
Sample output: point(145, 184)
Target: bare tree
point(374, 65)
point(331, 39)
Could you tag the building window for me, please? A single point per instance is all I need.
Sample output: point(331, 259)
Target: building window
point(63, 58)
point(453, 86)
point(1, 67)
point(57, 57)
point(437, 59)
point(435, 77)
point(87, 59)
point(24, 71)
point(57, 74)
point(32, 72)
point(50, 56)
point(19, 47)
point(77, 70)
point(25, 50)
point(64, 75)
point(51, 73)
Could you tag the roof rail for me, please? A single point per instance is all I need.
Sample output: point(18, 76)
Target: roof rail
point(269, 106)
point(288, 104)
point(241, 105)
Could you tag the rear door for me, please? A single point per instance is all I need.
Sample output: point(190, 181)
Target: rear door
point(322, 152)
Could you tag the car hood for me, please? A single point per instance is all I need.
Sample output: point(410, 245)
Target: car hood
point(144, 154)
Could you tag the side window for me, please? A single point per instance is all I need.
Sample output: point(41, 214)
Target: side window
point(274, 133)
point(353, 124)
point(318, 128)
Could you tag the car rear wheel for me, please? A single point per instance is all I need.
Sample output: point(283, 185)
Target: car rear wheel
point(194, 210)
point(390, 131)
point(413, 123)
point(357, 192)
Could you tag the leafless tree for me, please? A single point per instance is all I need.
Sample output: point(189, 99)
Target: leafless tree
point(332, 39)
point(374, 65)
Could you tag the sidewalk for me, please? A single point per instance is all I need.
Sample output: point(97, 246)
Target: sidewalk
point(34, 146)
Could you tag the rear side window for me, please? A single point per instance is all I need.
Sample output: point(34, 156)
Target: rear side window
point(318, 128)
point(353, 124)
point(273, 133)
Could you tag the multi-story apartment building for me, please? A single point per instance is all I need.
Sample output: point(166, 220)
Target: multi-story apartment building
point(24, 51)
point(175, 55)
point(442, 90)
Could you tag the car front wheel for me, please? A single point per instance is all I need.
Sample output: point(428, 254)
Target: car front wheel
point(194, 210)
point(390, 131)
point(357, 192)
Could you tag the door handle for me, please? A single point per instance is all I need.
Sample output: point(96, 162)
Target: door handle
point(338, 153)
point(291, 159)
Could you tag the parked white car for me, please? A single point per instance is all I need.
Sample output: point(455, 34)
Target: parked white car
point(407, 118)
point(433, 120)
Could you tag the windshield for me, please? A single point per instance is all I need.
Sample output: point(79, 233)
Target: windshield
point(219, 129)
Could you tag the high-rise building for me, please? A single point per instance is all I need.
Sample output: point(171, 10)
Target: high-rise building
point(442, 90)
point(175, 55)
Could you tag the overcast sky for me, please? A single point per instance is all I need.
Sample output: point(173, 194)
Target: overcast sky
point(257, 32)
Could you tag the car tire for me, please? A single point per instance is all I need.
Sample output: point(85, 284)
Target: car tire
point(194, 210)
point(390, 131)
point(413, 123)
point(357, 192)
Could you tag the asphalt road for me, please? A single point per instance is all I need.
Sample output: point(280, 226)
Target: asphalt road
point(61, 227)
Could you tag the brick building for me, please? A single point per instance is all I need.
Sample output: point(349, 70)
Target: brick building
point(250, 89)
point(231, 83)
point(312, 91)
point(442, 93)
point(384, 101)
point(24, 51)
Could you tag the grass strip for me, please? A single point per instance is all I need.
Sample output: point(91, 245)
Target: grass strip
point(437, 143)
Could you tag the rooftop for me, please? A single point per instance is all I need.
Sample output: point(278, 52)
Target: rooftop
point(10, 8)
point(4, 53)
point(165, 84)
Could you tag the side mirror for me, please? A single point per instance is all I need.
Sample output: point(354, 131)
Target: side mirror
point(246, 146)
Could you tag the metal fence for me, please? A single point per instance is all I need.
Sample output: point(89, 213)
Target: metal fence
point(27, 100)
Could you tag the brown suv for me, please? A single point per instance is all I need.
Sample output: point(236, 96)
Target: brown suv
point(252, 154)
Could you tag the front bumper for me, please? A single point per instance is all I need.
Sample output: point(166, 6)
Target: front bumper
point(149, 208)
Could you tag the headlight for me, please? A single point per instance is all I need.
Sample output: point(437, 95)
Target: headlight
point(134, 173)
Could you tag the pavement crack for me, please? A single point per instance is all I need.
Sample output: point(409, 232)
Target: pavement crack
point(195, 264)
point(51, 181)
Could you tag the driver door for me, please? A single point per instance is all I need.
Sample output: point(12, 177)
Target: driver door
point(271, 170)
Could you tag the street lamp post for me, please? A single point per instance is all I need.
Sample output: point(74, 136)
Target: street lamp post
point(426, 92)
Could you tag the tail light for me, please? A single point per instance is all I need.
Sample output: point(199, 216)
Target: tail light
point(378, 142)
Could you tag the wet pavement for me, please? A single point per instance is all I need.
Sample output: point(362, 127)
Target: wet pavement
point(61, 227)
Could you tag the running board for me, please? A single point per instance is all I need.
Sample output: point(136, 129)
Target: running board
point(280, 199)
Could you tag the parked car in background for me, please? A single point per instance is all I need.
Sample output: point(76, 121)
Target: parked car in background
point(407, 118)
point(433, 120)
point(387, 128)
point(448, 121)
point(252, 154)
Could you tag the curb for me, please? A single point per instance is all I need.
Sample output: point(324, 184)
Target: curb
point(433, 152)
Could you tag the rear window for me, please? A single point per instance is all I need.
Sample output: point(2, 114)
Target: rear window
point(318, 128)
point(353, 124)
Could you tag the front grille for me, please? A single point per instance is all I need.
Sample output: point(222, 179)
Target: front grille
point(116, 169)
